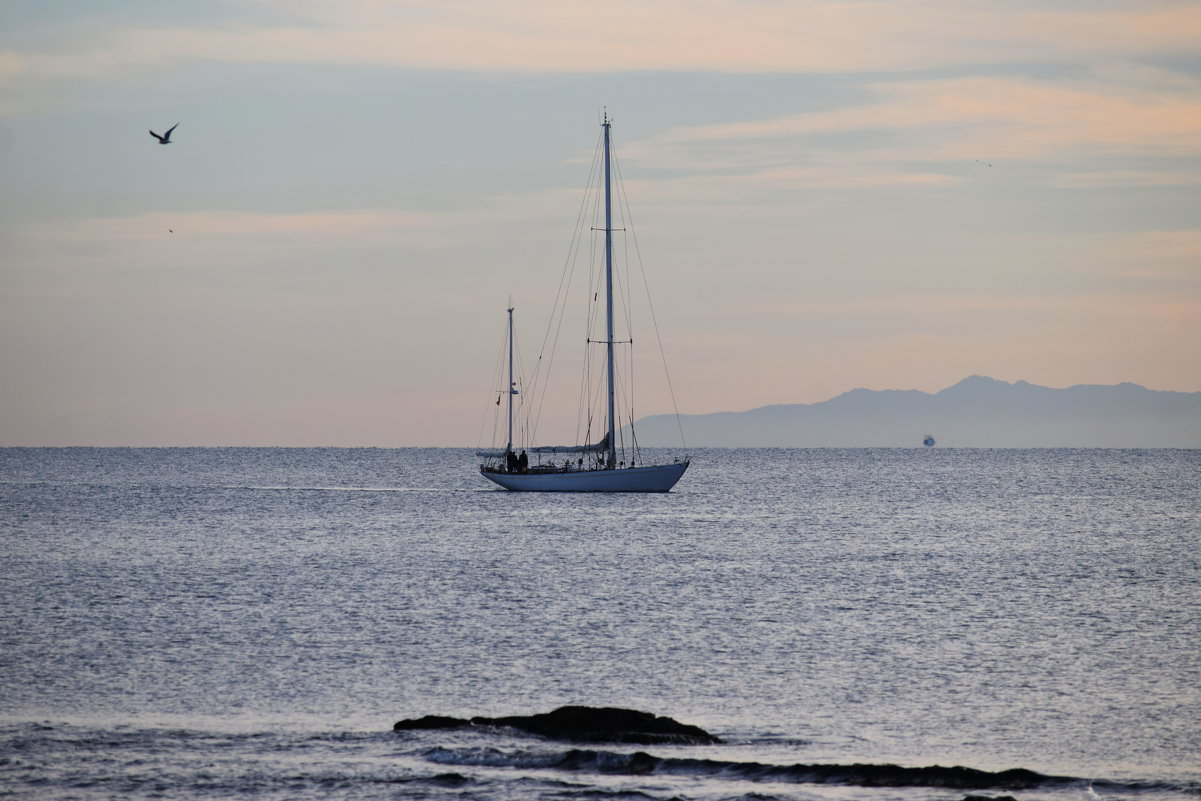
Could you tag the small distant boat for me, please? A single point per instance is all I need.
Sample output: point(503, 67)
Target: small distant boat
point(594, 467)
point(928, 440)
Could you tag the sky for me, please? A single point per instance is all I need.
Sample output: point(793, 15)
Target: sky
point(828, 194)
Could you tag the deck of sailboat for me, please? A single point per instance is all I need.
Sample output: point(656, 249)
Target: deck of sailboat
point(646, 478)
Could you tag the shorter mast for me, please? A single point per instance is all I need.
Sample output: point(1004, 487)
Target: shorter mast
point(511, 392)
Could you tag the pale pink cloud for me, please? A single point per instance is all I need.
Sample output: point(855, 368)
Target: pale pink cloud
point(989, 118)
point(1114, 306)
point(1180, 249)
point(738, 35)
point(233, 224)
point(388, 225)
point(736, 189)
point(1111, 178)
point(706, 35)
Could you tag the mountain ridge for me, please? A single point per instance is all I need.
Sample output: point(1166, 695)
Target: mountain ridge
point(978, 411)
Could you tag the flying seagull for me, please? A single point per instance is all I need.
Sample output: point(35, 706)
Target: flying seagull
point(165, 139)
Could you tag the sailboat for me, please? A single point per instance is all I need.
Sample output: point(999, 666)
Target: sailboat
point(593, 467)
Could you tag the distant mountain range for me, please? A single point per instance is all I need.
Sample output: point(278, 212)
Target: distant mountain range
point(978, 412)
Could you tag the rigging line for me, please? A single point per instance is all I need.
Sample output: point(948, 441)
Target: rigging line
point(627, 303)
point(496, 407)
point(588, 430)
point(599, 399)
point(623, 291)
point(627, 292)
point(582, 408)
point(495, 415)
point(496, 378)
point(628, 430)
point(634, 440)
point(562, 315)
point(495, 427)
point(592, 308)
point(628, 414)
point(563, 290)
point(655, 323)
point(627, 405)
point(519, 380)
point(583, 426)
point(560, 304)
point(627, 223)
point(586, 377)
point(618, 430)
point(625, 371)
point(560, 309)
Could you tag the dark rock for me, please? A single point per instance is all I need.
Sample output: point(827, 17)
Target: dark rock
point(587, 724)
point(584, 724)
point(449, 780)
point(431, 722)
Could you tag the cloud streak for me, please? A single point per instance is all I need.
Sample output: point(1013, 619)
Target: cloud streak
point(628, 35)
point(391, 226)
point(965, 117)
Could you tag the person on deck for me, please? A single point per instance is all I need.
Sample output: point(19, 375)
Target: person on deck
point(523, 462)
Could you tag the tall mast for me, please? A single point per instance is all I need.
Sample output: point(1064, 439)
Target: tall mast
point(612, 457)
point(511, 392)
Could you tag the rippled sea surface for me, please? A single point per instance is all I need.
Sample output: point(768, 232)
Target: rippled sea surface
point(249, 623)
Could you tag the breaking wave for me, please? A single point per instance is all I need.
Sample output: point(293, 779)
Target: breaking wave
point(641, 763)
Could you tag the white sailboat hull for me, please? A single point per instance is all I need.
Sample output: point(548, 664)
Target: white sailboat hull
point(652, 478)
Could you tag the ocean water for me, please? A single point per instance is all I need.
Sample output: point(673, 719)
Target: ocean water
point(249, 623)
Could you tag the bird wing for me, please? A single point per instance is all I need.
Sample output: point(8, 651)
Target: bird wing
point(156, 136)
point(172, 128)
